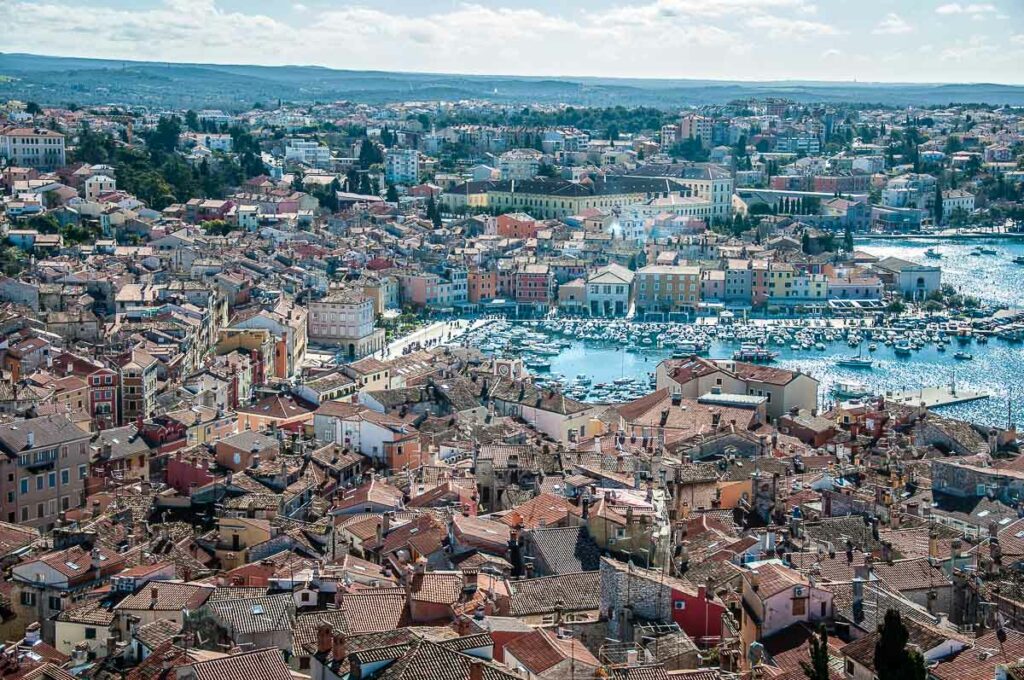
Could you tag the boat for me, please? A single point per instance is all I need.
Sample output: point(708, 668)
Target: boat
point(988, 251)
point(963, 356)
point(754, 354)
point(902, 349)
point(538, 364)
point(1019, 259)
point(932, 253)
point(872, 347)
point(855, 362)
point(583, 379)
point(851, 390)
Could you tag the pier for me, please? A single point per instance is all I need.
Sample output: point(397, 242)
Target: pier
point(933, 397)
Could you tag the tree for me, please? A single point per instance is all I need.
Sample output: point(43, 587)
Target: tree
point(216, 227)
point(297, 181)
point(937, 207)
point(848, 239)
point(893, 661)
point(817, 667)
point(165, 136)
point(33, 109)
point(192, 121)
point(805, 242)
point(392, 194)
point(433, 213)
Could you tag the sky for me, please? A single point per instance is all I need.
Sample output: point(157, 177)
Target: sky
point(841, 40)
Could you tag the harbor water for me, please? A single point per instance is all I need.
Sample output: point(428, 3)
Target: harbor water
point(623, 366)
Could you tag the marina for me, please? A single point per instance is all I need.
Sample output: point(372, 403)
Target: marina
point(909, 358)
point(608, 361)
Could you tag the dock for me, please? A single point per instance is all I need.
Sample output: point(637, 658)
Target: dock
point(933, 397)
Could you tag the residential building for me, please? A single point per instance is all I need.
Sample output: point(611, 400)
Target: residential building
point(402, 166)
point(44, 467)
point(37, 148)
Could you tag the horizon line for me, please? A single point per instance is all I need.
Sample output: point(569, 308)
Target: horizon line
point(695, 79)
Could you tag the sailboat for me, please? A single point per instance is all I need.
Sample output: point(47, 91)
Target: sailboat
point(859, 361)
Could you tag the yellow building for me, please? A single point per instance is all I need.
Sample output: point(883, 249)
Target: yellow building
point(236, 535)
point(780, 280)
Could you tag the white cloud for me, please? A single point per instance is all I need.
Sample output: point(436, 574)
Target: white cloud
point(974, 8)
point(644, 38)
point(966, 50)
point(892, 24)
point(1017, 39)
point(781, 28)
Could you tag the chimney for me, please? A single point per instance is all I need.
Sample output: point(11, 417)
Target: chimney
point(97, 563)
point(154, 594)
point(597, 445)
point(31, 443)
point(858, 600)
point(755, 580)
point(32, 633)
point(476, 669)
point(339, 650)
point(323, 638)
point(515, 552)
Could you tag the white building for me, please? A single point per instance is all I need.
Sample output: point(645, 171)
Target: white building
point(308, 152)
point(519, 164)
point(402, 166)
point(609, 290)
point(33, 148)
point(954, 200)
point(345, 317)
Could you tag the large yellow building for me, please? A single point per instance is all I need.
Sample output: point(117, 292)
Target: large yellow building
point(559, 198)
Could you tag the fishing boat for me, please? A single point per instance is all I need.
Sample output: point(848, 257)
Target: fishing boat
point(1019, 259)
point(988, 251)
point(963, 356)
point(851, 390)
point(932, 253)
point(902, 349)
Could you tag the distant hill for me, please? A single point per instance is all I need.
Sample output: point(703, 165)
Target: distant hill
point(54, 80)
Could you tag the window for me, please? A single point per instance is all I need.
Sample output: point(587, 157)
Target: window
point(799, 606)
point(28, 599)
point(65, 476)
point(83, 471)
point(51, 479)
point(24, 486)
point(849, 667)
point(680, 605)
point(54, 603)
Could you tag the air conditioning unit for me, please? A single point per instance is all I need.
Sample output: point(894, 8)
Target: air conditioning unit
point(799, 591)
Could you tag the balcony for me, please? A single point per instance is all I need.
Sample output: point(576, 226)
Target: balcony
point(38, 459)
